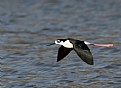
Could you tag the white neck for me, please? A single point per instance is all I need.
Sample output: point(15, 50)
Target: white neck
point(66, 44)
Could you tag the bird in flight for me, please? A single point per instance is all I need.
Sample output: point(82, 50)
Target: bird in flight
point(80, 47)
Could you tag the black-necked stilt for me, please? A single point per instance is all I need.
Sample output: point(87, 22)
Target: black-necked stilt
point(80, 47)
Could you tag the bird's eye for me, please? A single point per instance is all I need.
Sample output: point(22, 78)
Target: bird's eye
point(58, 41)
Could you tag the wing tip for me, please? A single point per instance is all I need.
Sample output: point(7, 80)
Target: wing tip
point(58, 60)
point(90, 62)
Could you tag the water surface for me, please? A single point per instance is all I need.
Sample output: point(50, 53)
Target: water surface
point(26, 26)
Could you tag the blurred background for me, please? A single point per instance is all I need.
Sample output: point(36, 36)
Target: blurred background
point(27, 26)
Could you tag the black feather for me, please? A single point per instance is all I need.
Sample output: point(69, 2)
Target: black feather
point(63, 52)
point(82, 51)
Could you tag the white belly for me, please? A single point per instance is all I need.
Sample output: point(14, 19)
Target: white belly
point(67, 44)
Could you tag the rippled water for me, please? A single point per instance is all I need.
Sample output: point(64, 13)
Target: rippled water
point(26, 26)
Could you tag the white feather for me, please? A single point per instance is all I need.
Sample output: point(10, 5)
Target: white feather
point(87, 43)
point(66, 44)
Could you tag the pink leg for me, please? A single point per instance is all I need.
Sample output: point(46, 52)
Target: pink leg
point(106, 45)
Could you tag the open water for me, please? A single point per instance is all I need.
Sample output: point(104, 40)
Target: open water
point(27, 26)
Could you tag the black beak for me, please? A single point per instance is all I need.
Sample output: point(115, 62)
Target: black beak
point(51, 44)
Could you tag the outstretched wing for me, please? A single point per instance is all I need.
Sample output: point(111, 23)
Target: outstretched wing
point(63, 52)
point(83, 52)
